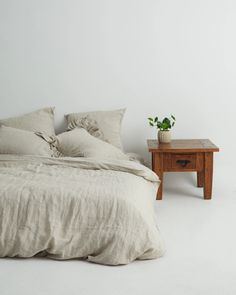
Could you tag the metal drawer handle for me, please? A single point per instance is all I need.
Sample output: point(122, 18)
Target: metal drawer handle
point(183, 163)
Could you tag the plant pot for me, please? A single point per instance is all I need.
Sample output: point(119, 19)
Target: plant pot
point(164, 136)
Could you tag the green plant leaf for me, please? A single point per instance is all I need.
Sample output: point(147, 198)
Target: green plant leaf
point(173, 117)
point(165, 125)
point(156, 119)
point(166, 120)
point(150, 119)
point(159, 124)
point(151, 124)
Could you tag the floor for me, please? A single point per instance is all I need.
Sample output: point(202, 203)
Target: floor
point(200, 257)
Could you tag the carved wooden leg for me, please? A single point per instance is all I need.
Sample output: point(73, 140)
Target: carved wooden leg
point(200, 178)
point(158, 169)
point(208, 175)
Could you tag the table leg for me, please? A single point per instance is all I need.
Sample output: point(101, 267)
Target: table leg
point(200, 178)
point(160, 189)
point(208, 175)
point(158, 169)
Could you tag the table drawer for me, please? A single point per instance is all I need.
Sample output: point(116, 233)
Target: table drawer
point(180, 162)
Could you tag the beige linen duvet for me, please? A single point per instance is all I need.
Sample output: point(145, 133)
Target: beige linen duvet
point(77, 208)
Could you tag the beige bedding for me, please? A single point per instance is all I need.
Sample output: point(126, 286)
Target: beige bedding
point(23, 142)
point(77, 208)
point(38, 121)
point(108, 122)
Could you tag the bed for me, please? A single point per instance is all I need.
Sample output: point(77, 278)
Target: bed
point(78, 208)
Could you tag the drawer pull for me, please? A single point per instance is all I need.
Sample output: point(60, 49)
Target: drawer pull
point(183, 163)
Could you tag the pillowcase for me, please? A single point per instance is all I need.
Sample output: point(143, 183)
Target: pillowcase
point(79, 143)
point(39, 121)
point(22, 142)
point(108, 122)
point(89, 125)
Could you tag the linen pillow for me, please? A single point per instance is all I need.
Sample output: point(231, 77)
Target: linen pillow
point(79, 143)
point(89, 125)
point(22, 142)
point(109, 122)
point(39, 121)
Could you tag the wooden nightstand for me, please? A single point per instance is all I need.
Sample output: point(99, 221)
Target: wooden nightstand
point(184, 155)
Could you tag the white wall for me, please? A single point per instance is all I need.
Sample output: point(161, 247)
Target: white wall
point(150, 56)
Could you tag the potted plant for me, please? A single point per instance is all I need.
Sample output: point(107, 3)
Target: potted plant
point(164, 126)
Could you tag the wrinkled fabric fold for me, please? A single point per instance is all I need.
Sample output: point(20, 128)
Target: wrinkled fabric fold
point(67, 208)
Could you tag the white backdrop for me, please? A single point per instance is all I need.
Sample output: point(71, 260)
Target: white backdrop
point(150, 56)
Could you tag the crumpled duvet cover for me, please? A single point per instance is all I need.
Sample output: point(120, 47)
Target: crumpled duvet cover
point(68, 208)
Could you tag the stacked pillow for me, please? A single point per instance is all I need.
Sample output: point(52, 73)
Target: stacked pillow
point(79, 143)
point(39, 121)
point(18, 135)
point(109, 123)
point(22, 142)
point(93, 134)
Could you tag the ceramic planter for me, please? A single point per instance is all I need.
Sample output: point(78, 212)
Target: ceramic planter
point(164, 136)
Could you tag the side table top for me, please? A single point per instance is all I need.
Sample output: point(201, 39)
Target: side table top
point(182, 145)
